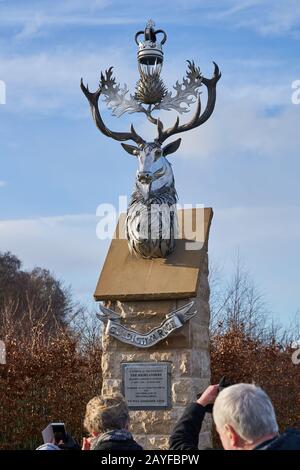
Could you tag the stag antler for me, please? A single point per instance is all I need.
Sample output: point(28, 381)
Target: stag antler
point(93, 99)
point(198, 118)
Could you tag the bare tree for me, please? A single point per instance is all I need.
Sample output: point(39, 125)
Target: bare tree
point(238, 303)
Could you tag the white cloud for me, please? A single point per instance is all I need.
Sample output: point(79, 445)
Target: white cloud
point(32, 27)
point(244, 126)
point(49, 82)
point(36, 18)
point(265, 225)
point(279, 18)
point(2, 183)
point(67, 245)
point(267, 240)
point(256, 119)
point(233, 7)
point(266, 17)
point(49, 240)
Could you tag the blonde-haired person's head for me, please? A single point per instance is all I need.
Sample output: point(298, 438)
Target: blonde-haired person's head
point(106, 413)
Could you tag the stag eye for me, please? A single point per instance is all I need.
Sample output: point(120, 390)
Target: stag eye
point(157, 153)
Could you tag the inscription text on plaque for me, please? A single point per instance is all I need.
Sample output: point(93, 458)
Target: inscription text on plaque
point(147, 385)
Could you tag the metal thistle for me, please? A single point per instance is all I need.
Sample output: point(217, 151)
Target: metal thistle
point(151, 221)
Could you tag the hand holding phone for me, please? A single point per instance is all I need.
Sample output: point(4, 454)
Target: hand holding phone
point(54, 433)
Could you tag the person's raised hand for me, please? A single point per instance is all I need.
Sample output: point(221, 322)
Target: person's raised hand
point(209, 395)
point(86, 443)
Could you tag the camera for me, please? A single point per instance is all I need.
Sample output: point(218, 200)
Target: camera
point(224, 382)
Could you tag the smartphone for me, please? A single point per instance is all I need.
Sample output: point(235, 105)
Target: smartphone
point(54, 432)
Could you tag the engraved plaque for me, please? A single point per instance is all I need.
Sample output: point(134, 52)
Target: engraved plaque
point(147, 385)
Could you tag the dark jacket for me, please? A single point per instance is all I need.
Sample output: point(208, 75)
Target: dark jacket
point(289, 440)
point(116, 440)
point(185, 435)
point(119, 445)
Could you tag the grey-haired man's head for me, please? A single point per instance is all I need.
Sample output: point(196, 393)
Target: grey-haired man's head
point(244, 417)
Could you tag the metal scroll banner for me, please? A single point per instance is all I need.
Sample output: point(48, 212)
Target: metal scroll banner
point(173, 321)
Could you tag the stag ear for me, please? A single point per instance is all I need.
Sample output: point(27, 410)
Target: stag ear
point(131, 149)
point(172, 147)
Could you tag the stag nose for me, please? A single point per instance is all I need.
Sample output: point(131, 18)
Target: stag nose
point(144, 177)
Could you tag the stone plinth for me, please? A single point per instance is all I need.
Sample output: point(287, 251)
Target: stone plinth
point(187, 349)
point(125, 277)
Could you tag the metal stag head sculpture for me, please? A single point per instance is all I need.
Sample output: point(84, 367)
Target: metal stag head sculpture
point(151, 221)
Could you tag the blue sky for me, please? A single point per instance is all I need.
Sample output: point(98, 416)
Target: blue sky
point(56, 168)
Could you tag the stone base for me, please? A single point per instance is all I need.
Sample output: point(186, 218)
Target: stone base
point(187, 349)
